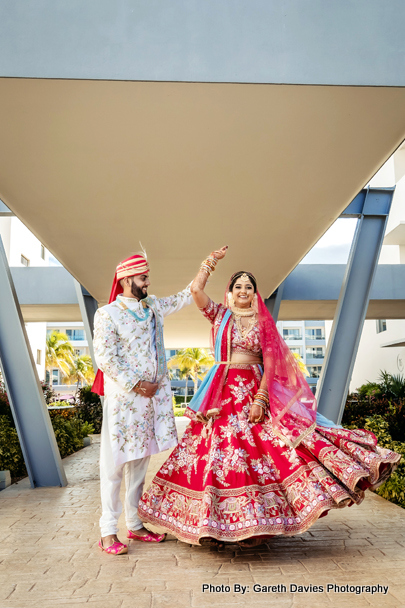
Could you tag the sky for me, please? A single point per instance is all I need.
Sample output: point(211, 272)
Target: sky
point(334, 246)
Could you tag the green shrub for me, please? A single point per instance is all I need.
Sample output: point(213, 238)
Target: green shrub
point(49, 393)
point(380, 408)
point(89, 408)
point(371, 389)
point(180, 399)
point(70, 433)
point(358, 409)
point(393, 489)
point(11, 458)
point(5, 409)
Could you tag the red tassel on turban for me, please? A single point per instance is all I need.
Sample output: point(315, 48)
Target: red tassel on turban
point(131, 267)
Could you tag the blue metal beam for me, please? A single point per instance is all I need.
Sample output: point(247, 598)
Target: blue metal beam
point(372, 206)
point(88, 306)
point(27, 402)
point(274, 301)
point(55, 286)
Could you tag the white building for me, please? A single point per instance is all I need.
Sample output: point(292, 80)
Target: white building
point(308, 340)
point(23, 249)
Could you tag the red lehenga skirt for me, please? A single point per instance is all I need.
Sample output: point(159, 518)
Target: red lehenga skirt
point(231, 480)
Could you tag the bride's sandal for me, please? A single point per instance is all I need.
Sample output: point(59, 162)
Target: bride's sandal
point(211, 542)
point(249, 543)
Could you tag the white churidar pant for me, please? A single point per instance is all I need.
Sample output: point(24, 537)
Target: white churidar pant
point(110, 484)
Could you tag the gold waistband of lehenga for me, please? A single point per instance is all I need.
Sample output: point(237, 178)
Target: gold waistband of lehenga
point(238, 363)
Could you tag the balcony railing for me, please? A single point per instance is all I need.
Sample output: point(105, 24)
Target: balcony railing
point(311, 337)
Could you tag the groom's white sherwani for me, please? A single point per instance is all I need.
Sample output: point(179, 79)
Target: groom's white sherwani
point(128, 347)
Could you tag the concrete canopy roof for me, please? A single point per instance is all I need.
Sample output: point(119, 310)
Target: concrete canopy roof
point(94, 167)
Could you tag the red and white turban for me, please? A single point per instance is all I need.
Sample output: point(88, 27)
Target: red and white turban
point(135, 265)
point(131, 267)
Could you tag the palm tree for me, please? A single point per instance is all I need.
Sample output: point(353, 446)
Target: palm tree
point(82, 371)
point(301, 364)
point(59, 352)
point(185, 373)
point(192, 362)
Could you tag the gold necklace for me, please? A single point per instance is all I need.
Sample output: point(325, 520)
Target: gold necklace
point(238, 314)
point(243, 312)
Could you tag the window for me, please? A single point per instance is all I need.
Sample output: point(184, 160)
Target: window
point(381, 325)
point(292, 334)
point(75, 334)
point(78, 352)
point(42, 251)
point(49, 331)
point(24, 261)
point(55, 376)
point(295, 349)
point(39, 357)
point(314, 333)
point(315, 352)
point(314, 370)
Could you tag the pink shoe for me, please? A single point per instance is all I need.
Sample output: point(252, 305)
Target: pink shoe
point(116, 548)
point(152, 537)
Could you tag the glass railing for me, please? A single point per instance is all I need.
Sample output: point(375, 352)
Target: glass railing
point(76, 337)
point(310, 337)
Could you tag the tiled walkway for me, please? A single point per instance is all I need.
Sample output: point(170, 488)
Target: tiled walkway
point(49, 556)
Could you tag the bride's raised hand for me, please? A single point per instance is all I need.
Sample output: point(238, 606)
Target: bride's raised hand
point(219, 254)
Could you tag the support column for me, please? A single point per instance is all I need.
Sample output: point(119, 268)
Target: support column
point(372, 207)
point(88, 306)
point(34, 428)
point(274, 301)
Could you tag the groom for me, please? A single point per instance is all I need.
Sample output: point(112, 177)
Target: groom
point(138, 419)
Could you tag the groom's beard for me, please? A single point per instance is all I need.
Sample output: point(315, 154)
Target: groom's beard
point(137, 291)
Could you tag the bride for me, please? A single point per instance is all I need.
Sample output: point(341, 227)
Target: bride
point(256, 460)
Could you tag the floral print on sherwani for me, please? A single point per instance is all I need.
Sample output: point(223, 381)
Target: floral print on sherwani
point(125, 350)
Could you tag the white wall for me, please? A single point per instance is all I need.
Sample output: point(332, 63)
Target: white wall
point(372, 358)
point(37, 335)
point(23, 242)
point(5, 231)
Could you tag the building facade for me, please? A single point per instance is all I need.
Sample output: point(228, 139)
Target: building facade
point(308, 340)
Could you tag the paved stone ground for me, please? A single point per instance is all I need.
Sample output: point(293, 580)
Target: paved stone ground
point(49, 555)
